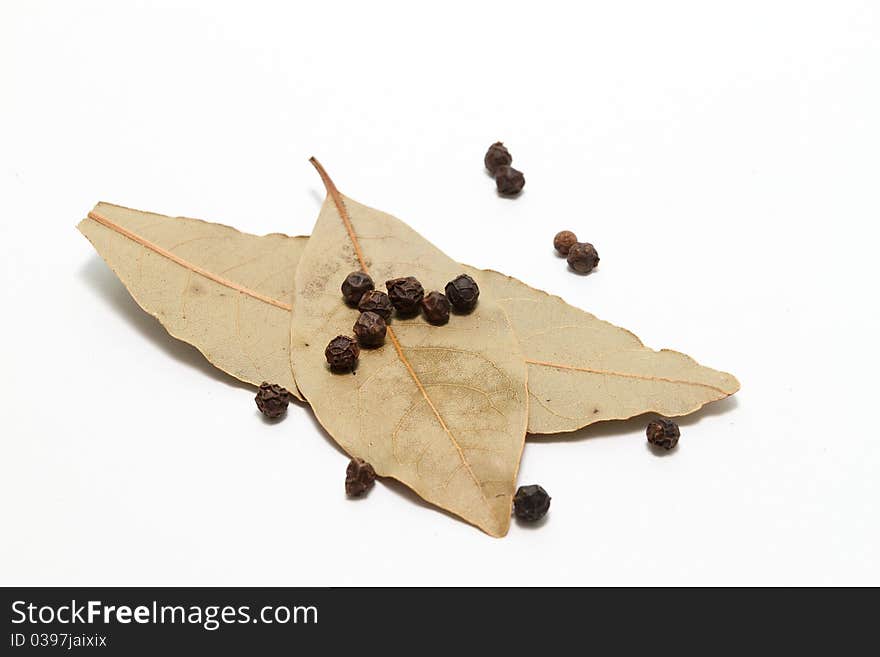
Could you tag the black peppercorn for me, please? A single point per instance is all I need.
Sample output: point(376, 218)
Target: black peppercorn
point(376, 301)
point(370, 329)
point(531, 503)
point(354, 286)
point(663, 433)
point(435, 305)
point(582, 257)
point(272, 400)
point(563, 241)
point(406, 294)
point(463, 293)
point(359, 477)
point(509, 181)
point(342, 353)
point(497, 156)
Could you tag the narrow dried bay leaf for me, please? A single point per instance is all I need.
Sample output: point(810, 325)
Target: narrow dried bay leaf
point(226, 293)
point(441, 409)
point(584, 370)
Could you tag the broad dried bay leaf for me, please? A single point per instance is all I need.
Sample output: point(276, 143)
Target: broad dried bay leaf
point(226, 293)
point(441, 409)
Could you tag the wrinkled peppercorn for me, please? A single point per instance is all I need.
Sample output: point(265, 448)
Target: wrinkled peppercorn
point(497, 156)
point(406, 294)
point(663, 433)
point(370, 329)
point(355, 285)
point(509, 181)
point(272, 400)
point(359, 477)
point(531, 503)
point(463, 293)
point(563, 241)
point(342, 353)
point(582, 257)
point(376, 301)
point(435, 305)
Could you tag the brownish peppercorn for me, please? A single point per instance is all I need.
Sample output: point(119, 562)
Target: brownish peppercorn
point(463, 293)
point(376, 301)
point(509, 181)
point(563, 241)
point(342, 353)
point(272, 400)
point(663, 433)
point(406, 294)
point(497, 156)
point(582, 257)
point(355, 285)
point(531, 503)
point(435, 305)
point(370, 329)
point(359, 477)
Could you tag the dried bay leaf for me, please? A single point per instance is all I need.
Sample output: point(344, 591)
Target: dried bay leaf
point(225, 292)
point(441, 409)
point(584, 370)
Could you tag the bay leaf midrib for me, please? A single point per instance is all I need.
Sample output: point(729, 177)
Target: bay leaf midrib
point(186, 264)
point(642, 377)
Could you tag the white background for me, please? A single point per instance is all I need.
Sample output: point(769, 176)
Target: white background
point(723, 157)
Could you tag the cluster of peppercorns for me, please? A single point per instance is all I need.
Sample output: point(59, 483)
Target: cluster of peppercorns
point(581, 256)
point(508, 180)
point(405, 295)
